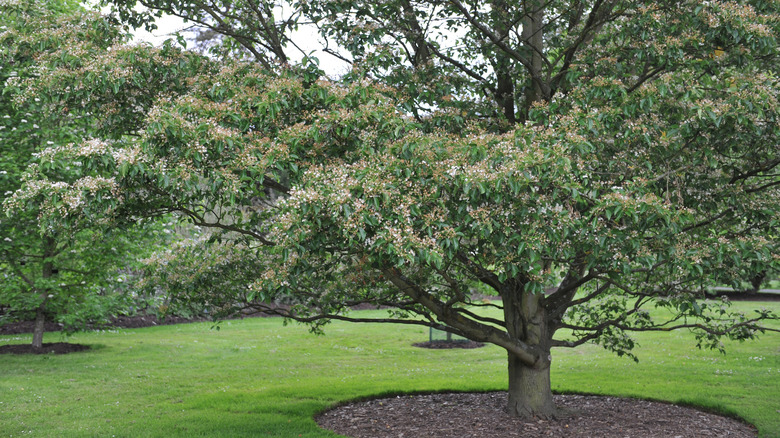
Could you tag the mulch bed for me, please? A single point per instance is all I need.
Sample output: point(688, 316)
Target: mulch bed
point(55, 348)
point(483, 415)
point(748, 296)
point(137, 321)
point(443, 345)
point(16, 328)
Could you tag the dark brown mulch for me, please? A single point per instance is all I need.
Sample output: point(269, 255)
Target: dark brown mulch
point(137, 321)
point(437, 345)
point(748, 296)
point(140, 321)
point(482, 415)
point(55, 348)
point(16, 328)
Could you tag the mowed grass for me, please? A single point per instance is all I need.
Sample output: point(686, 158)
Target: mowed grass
point(258, 378)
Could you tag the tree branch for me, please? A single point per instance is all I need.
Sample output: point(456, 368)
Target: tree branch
point(471, 329)
point(536, 75)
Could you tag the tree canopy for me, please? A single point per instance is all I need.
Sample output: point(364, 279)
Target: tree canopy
point(585, 161)
point(70, 275)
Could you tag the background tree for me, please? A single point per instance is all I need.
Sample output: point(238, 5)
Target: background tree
point(75, 274)
point(618, 154)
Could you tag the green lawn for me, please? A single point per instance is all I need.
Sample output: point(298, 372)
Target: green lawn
point(258, 378)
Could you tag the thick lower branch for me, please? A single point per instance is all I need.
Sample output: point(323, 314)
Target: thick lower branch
point(472, 329)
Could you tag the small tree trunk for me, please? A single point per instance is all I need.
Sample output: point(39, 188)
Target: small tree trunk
point(756, 281)
point(530, 394)
point(40, 321)
point(47, 270)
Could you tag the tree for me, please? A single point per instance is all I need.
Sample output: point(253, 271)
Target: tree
point(585, 161)
point(69, 275)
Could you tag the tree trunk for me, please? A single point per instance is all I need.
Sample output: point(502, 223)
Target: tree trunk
point(533, 40)
point(530, 394)
point(505, 77)
point(505, 91)
point(415, 35)
point(47, 271)
point(40, 321)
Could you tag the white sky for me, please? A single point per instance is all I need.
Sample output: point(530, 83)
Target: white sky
point(167, 25)
point(306, 38)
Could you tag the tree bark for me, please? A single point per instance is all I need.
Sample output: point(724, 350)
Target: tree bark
point(38, 328)
point(530, 394)
point(533, 40)
point(505, 90)
point(505, 81)
point(416, 35)
point(47, 271)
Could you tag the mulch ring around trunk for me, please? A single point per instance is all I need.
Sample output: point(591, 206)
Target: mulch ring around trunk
point(55, 348)
point(483, 415)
